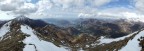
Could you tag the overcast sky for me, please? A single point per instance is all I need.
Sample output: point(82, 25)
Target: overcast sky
point(71, 8)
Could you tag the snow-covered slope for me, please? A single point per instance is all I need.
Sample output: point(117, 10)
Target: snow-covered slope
point(133, 45)
point(34, 43)
point(4, 29)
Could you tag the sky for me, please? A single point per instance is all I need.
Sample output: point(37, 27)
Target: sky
point(10, 9)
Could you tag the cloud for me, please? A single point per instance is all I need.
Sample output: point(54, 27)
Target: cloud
point(114, 13)
point(79, 3)
point(28, 0)
point(100, 2)
point(139, 5)
point(47, 8)
point(9, 5)
point(18, 7)
point(67, 8)
point(44, 5)
point(27, 8)
point(44, 8)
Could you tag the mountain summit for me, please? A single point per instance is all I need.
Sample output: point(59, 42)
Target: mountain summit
point(22, 18)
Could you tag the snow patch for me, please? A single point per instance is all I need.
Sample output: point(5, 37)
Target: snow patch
point(133, 45)
point(109, 40)
point(29, 48)
point(41, 45)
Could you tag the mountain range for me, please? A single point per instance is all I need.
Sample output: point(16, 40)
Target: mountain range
point(25, 34)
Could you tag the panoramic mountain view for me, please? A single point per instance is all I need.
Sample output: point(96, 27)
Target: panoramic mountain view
point(71, 25)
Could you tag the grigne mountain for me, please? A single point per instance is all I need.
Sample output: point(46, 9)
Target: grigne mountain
point(82, 34)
